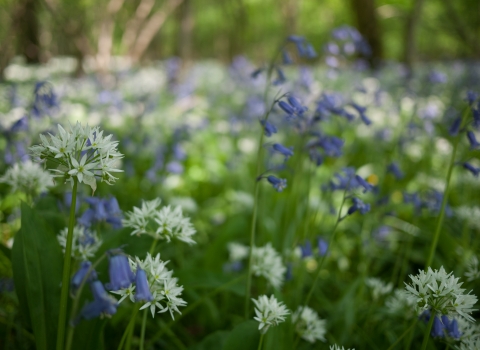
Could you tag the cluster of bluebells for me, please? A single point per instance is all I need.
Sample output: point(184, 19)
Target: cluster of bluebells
point(345, 42)
point(269, 312)
point(442, 326)
point(101, 210)
point(160, 223)
point(146, 281)
point(85, 242)
point(81, 153)
point(28, 177)
point(441, 293)
point(309, 325)
point(430, 200)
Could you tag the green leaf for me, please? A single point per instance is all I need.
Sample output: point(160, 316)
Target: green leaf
point(37, 263)
point(6, 251)
point(244, 336)
point(215, 340)
point(88, 335)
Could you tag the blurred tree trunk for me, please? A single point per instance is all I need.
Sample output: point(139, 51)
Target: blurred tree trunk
point(186, 21)
point(367, 24)
point(290, 13)
point(29, 30)
point(409, 36)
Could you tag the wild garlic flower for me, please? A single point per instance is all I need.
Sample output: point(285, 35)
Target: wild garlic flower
point(469, 332)
point(85, 242)
point(473, 272)
point(164, 291)
point(308, 325)
point(164, 223)
point(237, 251)
point(378, 287)
point(27, 177)
point(268, 263)
point(82, 153)
point(437, 291)
point(470, 344)
point(336, 347)
point(269, 312)
point(399, 303)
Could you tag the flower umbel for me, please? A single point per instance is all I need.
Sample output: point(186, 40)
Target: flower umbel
point(308, 325)
point(269, 312)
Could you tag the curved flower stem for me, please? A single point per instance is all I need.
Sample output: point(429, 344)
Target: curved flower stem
point(409, 329)
point(260, 343)
point(125, 333)
point(436, 235)
point(142, 333)
point(128, 344)
point(76, 300)
point(62, 317)
point(426, 336)
point(330, 241)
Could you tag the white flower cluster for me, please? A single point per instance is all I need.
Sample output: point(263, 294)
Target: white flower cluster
point(470, 333)
point(378, 287)
point(85, 242)
point(163, 223)
point(164, 288)
point(308, 325)
point(269, 312)
point(399, 303)
point(336, 347)
point(82, 153)
point(268, 263)
point(440, 292)
point(27, 177)
point(473, 272)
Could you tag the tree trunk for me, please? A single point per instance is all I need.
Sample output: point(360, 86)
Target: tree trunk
point(29, 30)
point(367, 24)
point(409, 38)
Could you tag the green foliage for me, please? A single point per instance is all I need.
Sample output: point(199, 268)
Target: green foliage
point(37, 265)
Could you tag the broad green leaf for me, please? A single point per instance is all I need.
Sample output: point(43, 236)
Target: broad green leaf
point(37, 270)
point(244, 336)
point(215, 340)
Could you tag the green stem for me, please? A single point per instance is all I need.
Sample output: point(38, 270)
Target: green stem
point(444, 204)
point(142, 334)
point(403, 335)
point(76, 300)
point(260, 343)
point(128, 344)
point(329, 243)
point(125, 333)
point(66, 271)
point(426, 336)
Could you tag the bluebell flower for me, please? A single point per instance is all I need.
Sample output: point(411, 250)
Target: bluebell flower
point(414, 199)
point(20, 125)
point(102, 209)
point(142, 291)
point(306, 249)
point(80, 275)
point(286, 107)
point(345, 181)
point(437, 77)
point(452, 328)
point(395, 170)
point(278, 184)
point(322, 246)
point(471, 168)
point(121, 276)
point(280, 77)
point(257, 72)
point(332, 61)
point(366, 186)
point(331, 48)
point(174, 167)
point(45, 99)
point(297, 106)
point(234, 266)
point(310, 52)
point(472, 139)
point(286, 58)
point(438, 328)
point(98, 207)
point(476, 117)
point(102, 304)
point(287, 152)
point(455, 128)
point(299, 42)
point(471, 97)
point(269, 128)
point(359, 205)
